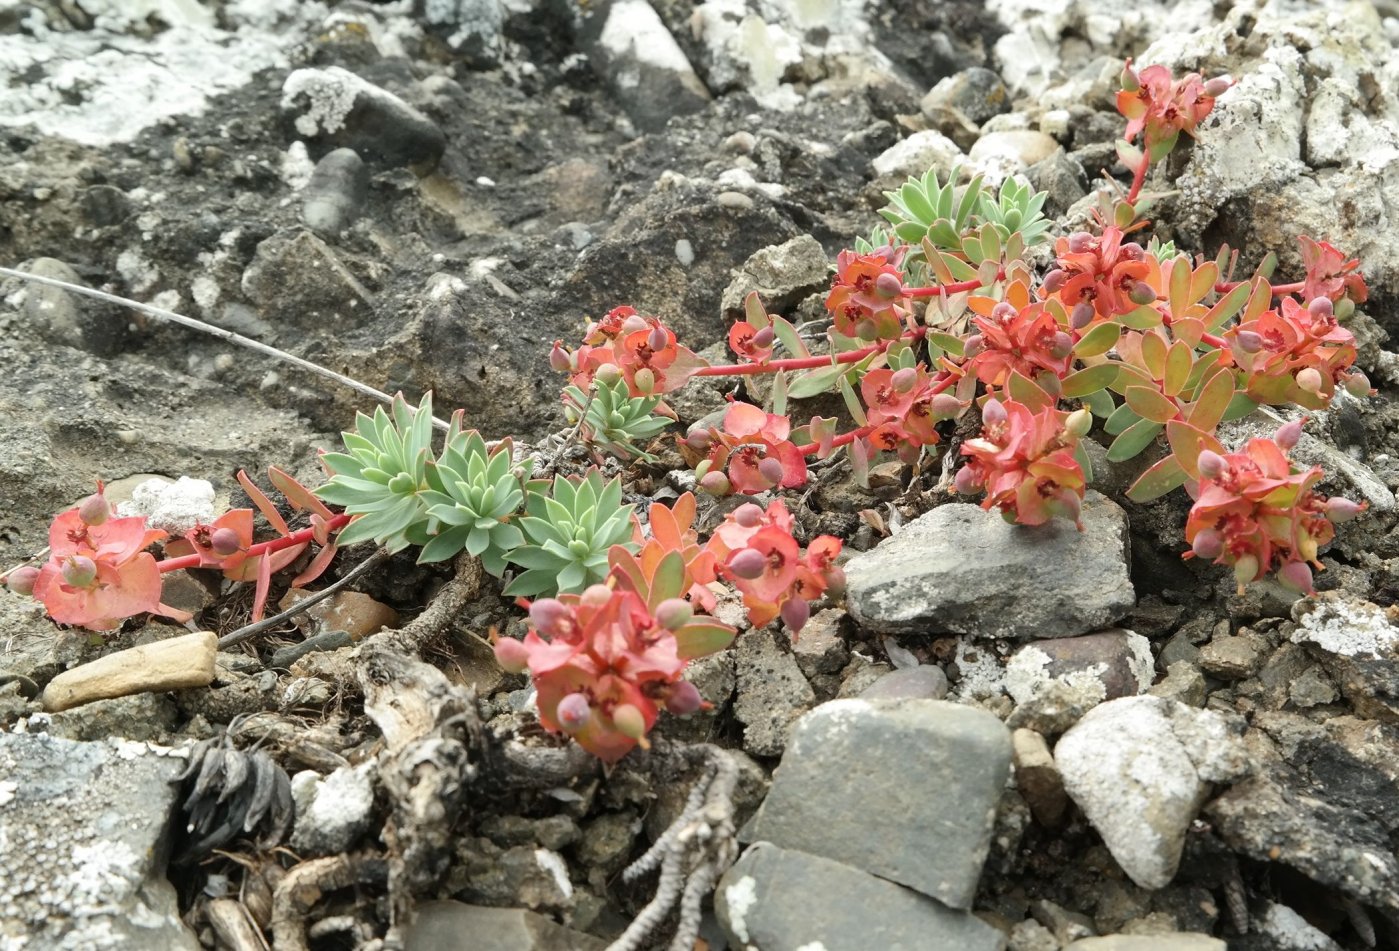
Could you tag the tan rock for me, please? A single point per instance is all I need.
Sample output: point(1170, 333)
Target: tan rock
point(1037, 777)
point(174, 664)
point(357, 614)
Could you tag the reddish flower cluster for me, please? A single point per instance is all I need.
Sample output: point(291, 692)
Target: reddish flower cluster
point(1025, 462)
point(1297, 355)
point(1253, 512)
point(98, 572)
point(642, 349)
point(868, 299)
point(1025, 340)
point(756, 552)
point(1099, 277)
point(601, 662)
point(1164, 107)
point(1330, 275)
point(750, 454)
point(751, 343)
point(903, 409)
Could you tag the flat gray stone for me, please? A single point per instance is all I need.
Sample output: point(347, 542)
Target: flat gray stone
point(1178, 941)
point(1139, 768)
point(782, 900)
point(82, 844)
point(850, 789)
point(453, 925)
point(771, 693)
point(962, 569)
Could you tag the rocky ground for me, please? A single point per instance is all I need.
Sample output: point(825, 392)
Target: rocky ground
point(1002, 738)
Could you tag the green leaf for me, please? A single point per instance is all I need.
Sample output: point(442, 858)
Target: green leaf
point(1089, 380)
point(1084, 461)
point(1226, 307)
point(1144, 317)
point(1122, 418)
point(1239, 407)
point(1024, 390)
point(1099, 403)
point(668, 581)
point(1133, 440)
point(817, 381)
point(703, 635)
point(1150, 404)
point(1212, 401)
point(1179, 361)
point(1160, 479)
point(1099, 340)
point(789, 338)
point(1179, 295)
point(950, 343)
point(852, 401)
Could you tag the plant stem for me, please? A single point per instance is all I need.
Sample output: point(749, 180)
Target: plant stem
point(1224, 287)
point(1139, 178)
point(841, 440)
point(262, 548)
point(803, 363)
point(947, 288)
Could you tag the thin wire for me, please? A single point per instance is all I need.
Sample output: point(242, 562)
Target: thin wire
point(170, 316)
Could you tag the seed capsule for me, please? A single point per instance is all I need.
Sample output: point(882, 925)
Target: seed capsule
point(888, 286)
point(1208, 544)
point(770, 469)
point(795, 613)
point(684, 698)
point(511, 655)
point(1217, 86)
point(1249, 342)
point(1342, 510)
point(748, 563)
point(629, 721)
point(1082, 315)
point(94, 509)
point(1212, 465)
point(748, 515)
point(550, 616)
point(658, 339)
point(573, 712)
point(21, 580)
point(225, 542)
point(993, 413)
point(1287, 434)
point(1309, 379)
point(764, 337)
point(674, 613)
point(79, 571)
point(1055, 279)
point(1297, 576)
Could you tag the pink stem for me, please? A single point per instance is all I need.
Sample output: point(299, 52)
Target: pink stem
point(803, 363)
point(841, 440)
point(1139, 178)
point(262, 548)
point(1224, 287)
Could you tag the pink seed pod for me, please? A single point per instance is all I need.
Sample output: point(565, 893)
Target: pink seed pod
point(79, 571)
point(967, 481)
point(1287, 434)
point(747, 563)
point(795, 613)
point(1208, 544)
point(945, 406)
point(550, 616)
point(699, 439)
point(94, 509)
point(1245, 569)
point(1212, 465)
point(658, 339)
point(1309, 380)
point(835, 581)
point(1082, 315)
point(903, 380)
point(224, 542)
point(888, 286)
point(21, 580)
point(1321, 308)
point(973, 346)
point(1055, 280)
point(1297, 576)
point(608, 374)
point(770, 468)
point(1004, 311)
point(1081, 241)
point(1218, 86)
point(993, 413)
point(764, 337)
point(684, 698)
point(1343, 510)
point(1142, 293)
point(748, 515)
point(511, 655)
point(1249, 342)
point(558, 359)
point(628, 721)
point(595, 596)
point(715, 483)
point(634, 323)
point(573, 712)
point(1358, 384)
point(1132, 251)
point(674, 613)
point(1063, 345)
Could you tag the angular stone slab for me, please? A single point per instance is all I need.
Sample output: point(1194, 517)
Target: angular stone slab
point(82, 841)
point(962, 569)
point(903, 789)
point(782, 900)
point(453, 925)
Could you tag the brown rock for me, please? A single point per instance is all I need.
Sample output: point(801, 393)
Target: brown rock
point(356, 614)
point(174, 664)
point(1037, 777)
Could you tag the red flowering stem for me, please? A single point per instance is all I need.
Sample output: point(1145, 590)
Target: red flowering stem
point(1139, 178)
point(803, 363)
point(1219, 343)
point(276, 544)
point(947, 288)
point(841, 440)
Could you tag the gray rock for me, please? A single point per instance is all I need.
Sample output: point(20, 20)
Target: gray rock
point(1177, 941)
point(653, 79)
point(959, 568)
point(334, 108)
point(924, 682)
point(1030, 935)
point(142, 717)
point(331, 813)
point(918, 153)
point(820, 649)
point(782, 274)
point(1005, 153)
point(1279, 928)
point(1356, 643)
point(334, 197)
point(1062, 178)
point(451, 925)
point(1103, 666)
point(1139, 768)
point(1184, 683)
point(84, 845)
point(296, 279)
point(1231, 658)
point(977, 93)
point(847, 754)
point(777, 899)
point(771, 693)
point(63, 317)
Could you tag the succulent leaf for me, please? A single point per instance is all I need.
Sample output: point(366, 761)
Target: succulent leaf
point(568, 534)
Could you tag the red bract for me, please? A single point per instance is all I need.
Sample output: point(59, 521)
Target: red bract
point(604, 648)
point(1304, 353)
point(1101, 272)
point(754, 447)
point(1329, 274)
point(758, 555)
point(904, 409)
point(868, 297)
point(1025, 463)
point(1255, 513)
point(751, 342)
point(1025, 340)
point(642, 348)
point(1163, 107)
point(97, 575)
